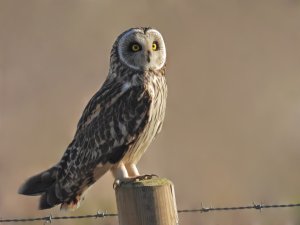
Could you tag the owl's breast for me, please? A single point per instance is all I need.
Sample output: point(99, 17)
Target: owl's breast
point(156, 88)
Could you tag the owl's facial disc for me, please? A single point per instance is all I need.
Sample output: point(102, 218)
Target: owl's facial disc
point(142, 51)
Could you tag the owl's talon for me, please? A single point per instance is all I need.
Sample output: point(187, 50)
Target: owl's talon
point(116, 184)
point(120, 182)
point(145, 177)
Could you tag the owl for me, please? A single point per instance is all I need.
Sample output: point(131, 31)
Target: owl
point(117, 125)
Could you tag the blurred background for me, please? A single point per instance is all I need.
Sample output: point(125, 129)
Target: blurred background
point(232, 130)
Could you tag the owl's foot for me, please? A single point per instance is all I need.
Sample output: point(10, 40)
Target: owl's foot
point(128, 180)
point(145, 177)
point(119, 182)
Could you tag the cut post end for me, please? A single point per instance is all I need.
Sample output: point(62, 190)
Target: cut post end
point(147, 202)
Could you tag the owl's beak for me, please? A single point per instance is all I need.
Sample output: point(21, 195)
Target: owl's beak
point(148, 56)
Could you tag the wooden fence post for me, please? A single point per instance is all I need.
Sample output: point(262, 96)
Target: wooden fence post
point(147, 202)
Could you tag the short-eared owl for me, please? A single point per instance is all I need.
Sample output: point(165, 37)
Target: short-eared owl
point(117, 125)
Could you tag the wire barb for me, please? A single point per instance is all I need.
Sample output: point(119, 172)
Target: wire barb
point(48, 219)
point(100, 214)
point(204, 209)
point(258, 206)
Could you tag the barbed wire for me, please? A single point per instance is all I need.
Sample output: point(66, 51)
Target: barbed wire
point(203, 209)
point(253, 206)
point(50, 218)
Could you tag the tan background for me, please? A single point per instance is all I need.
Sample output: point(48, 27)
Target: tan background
point(232, 132)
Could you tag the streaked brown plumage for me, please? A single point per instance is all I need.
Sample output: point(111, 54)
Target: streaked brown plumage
point(117, 125)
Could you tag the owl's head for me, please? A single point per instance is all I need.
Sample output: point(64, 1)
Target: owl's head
point(141, 49)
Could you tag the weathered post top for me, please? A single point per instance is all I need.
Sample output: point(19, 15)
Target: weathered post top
point(147, 202)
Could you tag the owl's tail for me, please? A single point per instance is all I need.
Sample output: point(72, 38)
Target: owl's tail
point(42, 184)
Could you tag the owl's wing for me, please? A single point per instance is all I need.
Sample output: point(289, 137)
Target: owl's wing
point(111, 122)
point(113, 119)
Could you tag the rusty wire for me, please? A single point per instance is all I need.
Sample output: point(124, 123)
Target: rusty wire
point(202, 209)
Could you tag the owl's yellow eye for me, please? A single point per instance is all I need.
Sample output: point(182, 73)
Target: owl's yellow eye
point(135, 47)
point(155, 46)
